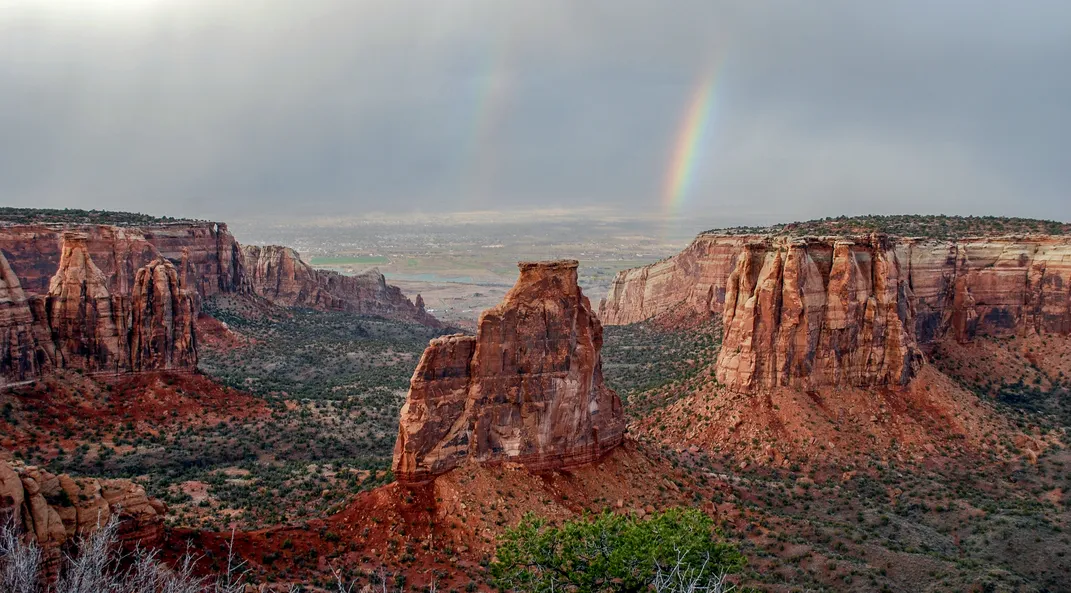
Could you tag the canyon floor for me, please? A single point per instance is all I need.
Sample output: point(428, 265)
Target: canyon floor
point(283, 439)
point(286, 435)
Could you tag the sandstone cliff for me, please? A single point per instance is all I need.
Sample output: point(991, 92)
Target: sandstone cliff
point(162, 334)
point(802, 314)
point(279, 275)
point(88, 326)
point(116, 299)
point(52, 509)
point(81, 324)
point(26, 349)
point(208, 249)
point(849, 310)
point(527, 388)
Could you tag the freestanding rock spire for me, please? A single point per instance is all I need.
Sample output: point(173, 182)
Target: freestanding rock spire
point(162, 332)
point(89, 327)
point(527, 388)
point(92, 329)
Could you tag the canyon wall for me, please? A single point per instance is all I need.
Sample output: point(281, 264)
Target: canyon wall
point(90, 328)
point(53, 509)
point(207, 250)
point(80, 323)
point(279, 275)
point(849, 310)
point(26, 349)
point(117, 299)
point(527, 388)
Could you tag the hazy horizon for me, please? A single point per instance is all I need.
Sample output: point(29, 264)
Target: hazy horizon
point(712, 113)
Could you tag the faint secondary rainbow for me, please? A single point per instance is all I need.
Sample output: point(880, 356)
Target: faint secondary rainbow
point(688, 147)
point(491, 92)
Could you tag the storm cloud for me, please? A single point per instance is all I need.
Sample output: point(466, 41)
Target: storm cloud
point(222, 107)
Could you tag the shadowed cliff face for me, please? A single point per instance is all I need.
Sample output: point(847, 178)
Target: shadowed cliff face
point(527, 388)
point(27, 349)
point(850, 310)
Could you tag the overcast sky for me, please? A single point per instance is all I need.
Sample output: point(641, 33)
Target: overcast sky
point(222, 107)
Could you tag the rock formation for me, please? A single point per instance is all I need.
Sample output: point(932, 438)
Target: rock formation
point(149, 329)
point(87, 325)
point(162, 320)
point(279, 275)
point(81, 324)
point(849, 310)
point(210, 251)
point(527, 388)
point(116, 299)
point(800, 314)
point(209, 261)
point(52, 509)
point(26, 348)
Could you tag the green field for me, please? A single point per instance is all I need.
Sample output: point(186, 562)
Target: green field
point(341, 260)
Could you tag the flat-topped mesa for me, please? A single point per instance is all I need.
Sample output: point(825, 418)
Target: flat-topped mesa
point(807, 314)
point(527, 388)
point(789, 303)
point(281, 276)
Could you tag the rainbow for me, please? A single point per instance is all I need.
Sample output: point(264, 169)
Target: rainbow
point(491, 93)
point(689, 144)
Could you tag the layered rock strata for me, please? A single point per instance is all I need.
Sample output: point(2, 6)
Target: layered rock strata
point(26, 348)
point(209, 261)
point(527, 388)
point(279, 275)
point(850, 310)
point(81, 324)
point(51, 510)
point(118, 299)
point(208, 249)
point(803, 315)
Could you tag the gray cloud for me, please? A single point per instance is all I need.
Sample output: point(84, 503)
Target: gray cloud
point(215, 108)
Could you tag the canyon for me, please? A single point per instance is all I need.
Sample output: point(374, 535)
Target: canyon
point(853, 310)
point(527, 389)
point(105, 298)
point(279, 275)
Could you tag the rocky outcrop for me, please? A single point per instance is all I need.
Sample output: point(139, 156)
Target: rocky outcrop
point(26, 348)
point(149, 329)
point(88, 325)
point(162, 334)
point(117, 299)
point(805, 314)
point(527, 388)
point(279, 275)
point(850, 310)
point(54, 509)
point(81, 324)
point(207, 248)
